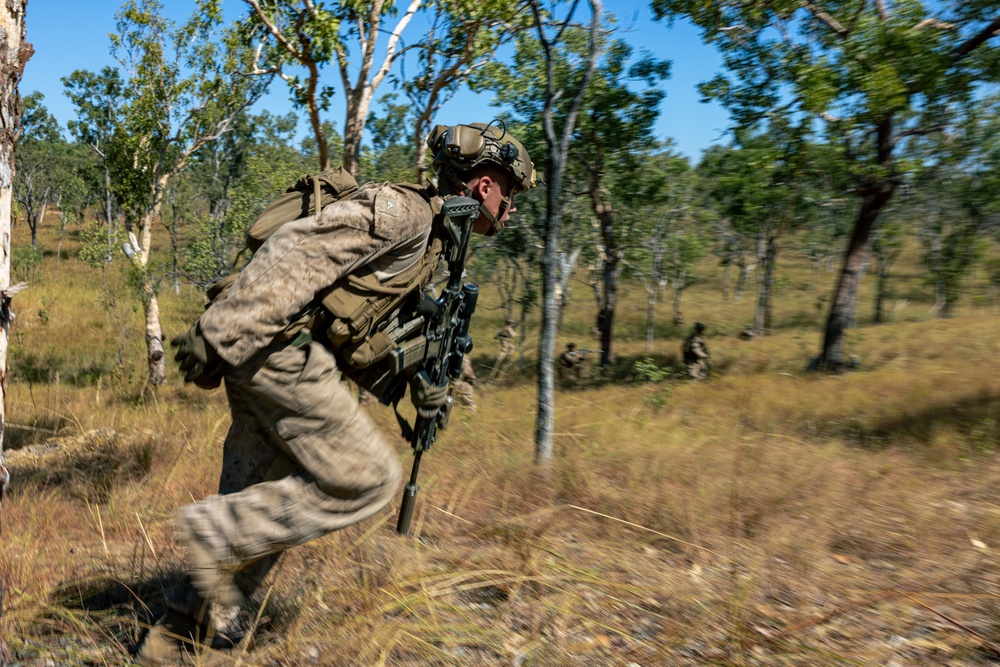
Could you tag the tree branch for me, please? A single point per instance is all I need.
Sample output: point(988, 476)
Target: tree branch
point(390, 47)
point(883, 11)
point(964, 49)
point(918, 132)
point(831, 22)
point(934, 23)
point(274, 30)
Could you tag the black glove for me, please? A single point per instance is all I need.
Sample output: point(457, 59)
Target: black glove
point(198, 360)
point(427, 398)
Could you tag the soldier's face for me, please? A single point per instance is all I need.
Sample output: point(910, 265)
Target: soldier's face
point(490, 190)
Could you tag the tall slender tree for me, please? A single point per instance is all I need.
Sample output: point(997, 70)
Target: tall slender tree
point(461, 38)
point(558, 124)
point(98, 99)
point(615, 126)
point(40, 170)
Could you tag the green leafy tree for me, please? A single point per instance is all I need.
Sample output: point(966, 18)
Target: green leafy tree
point(874, 74)
point(887, 245)
point(186, 84)
point(952, 241)
point(509, 262)
point(560, 105)
point(757, 185)
point(661, 206)
point(310, 35)
point(391, 155)
point(39, 169)
point(99, 100)
point(953, 197)
point(615, 129)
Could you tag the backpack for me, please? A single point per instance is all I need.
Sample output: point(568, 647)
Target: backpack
point(361, 318)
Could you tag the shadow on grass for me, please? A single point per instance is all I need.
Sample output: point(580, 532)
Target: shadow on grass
point(140, 599)
point(93, 620)
point(87, 466)
point(973, 419)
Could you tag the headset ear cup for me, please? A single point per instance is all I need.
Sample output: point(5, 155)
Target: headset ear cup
point(433, 139)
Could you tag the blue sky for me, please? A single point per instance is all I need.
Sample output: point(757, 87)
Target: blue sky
point(71, 34)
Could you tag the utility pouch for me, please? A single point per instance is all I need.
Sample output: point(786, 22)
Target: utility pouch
point(356, 306)
point(368, 352)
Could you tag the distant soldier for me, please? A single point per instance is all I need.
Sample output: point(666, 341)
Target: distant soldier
point(571, 361)
point(466, 382)
point(506, 336)
point(695, 352)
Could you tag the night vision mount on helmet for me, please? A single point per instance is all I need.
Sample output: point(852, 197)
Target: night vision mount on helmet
point(460, 148)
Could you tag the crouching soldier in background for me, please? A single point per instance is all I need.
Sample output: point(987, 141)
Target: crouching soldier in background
point(571, 362)
point(301, 458)
point(695, 352)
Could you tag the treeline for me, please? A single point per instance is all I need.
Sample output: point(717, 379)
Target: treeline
point(854, 127)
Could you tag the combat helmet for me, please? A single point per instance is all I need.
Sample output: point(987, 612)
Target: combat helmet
point(458, 149)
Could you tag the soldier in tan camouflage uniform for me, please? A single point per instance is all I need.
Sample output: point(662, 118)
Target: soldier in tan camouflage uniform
point(301, 458)
point(506, 336)
point(571, 362)
point(466, 383)
point(695, 351)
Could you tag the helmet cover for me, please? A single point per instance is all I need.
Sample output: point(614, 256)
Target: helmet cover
point(464, 147)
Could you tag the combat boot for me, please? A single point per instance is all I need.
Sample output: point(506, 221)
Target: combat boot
point(177, 639)
point(187, 627)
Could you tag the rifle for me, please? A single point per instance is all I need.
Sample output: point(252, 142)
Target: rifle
point(446, 331)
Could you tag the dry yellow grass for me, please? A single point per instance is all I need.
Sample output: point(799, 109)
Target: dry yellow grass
point(765, 517)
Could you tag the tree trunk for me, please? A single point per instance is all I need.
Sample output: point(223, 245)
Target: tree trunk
point(939, 293)
point(563, 296)
point(852, 311)
point(151, 308)
point(650, 316)
point(606, 317)
point(609, 279)
point(14, 53)
point(354, 127)
point(881, 284)
point(680, 282)
point(741, 280)
point(545, 419)
point(558, 148)
point(767, 255)
point(108, 215)
point(154, 337)
point(872, 203)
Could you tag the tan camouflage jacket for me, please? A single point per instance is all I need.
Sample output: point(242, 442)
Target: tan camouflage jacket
point(383, 226)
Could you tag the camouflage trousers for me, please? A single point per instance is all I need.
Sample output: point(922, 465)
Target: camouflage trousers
point(698, 370)
point(301, 459)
